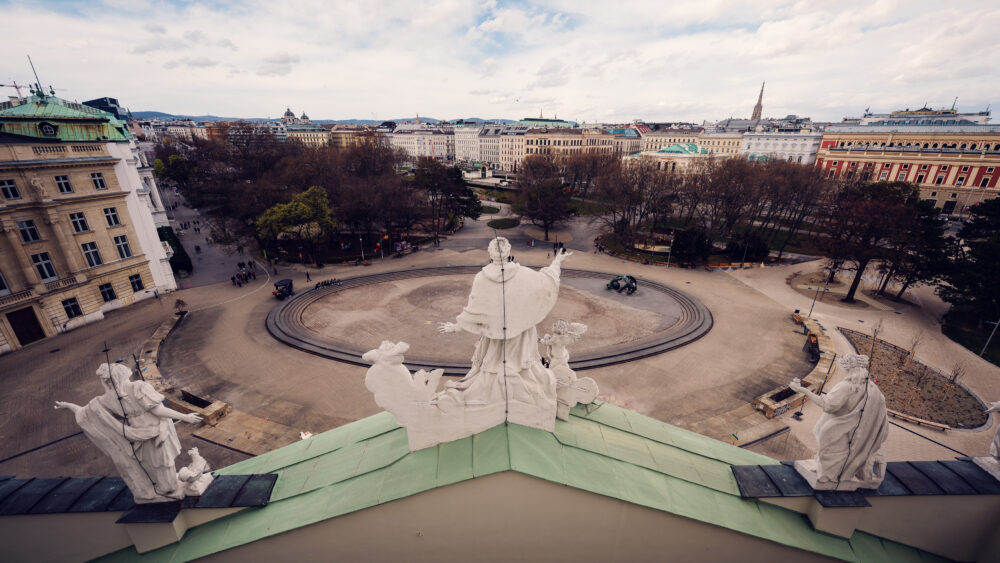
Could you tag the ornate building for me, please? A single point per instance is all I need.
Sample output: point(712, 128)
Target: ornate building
point(955, 165)
point(76, 212)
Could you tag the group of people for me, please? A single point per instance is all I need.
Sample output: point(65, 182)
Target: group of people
point(247, 272)
point(193, 225)
point(326, 283)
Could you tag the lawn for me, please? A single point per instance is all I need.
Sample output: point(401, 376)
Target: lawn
point(506, 223)
point(962, 327)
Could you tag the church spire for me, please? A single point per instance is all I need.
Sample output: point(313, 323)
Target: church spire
point(757, 108)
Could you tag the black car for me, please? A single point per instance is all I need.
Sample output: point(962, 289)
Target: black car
point(283, 289)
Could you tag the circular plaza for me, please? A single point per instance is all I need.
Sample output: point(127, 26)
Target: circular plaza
point(342, 322)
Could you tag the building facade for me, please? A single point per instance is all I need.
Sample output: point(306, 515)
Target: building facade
point(955, 166)
point(656, 140)
point(793, 146)
point(680, 157)
point(79, 237)
point(467, 143)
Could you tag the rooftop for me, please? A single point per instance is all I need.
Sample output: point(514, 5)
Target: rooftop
point(603, 449)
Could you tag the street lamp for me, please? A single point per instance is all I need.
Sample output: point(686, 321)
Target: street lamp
point(362, 243)
point(817, 295)
point(987, 345)
point(670, 248)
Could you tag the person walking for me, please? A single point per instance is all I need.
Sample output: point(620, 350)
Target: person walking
point(308, 279)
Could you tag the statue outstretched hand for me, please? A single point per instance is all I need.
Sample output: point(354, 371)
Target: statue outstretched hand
point(994, 407)
point(70, 406)
point(447, 327)
point(191, 418)
point(561, 257)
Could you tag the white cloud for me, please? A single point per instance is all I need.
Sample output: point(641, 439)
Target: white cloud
point(679, 60)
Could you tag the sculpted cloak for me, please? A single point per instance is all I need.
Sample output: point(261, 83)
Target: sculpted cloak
point(505, 304)
point(141, 444)
point(851, 431)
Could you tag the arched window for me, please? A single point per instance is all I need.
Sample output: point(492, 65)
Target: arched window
point(972, 146)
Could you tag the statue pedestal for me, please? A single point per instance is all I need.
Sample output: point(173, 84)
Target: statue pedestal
point(807, 468)
point(989, 464)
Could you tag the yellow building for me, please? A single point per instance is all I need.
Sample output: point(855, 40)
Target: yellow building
point(955, 166)
point(77, 240)
point(656, 140)
point(342, 137)
point(723, 144)
point(562, 144)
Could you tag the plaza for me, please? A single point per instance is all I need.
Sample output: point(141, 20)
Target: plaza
point(223, 350)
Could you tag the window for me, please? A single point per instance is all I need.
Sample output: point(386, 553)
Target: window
point(72, 308)
point(989, 170)
point(121, 243)
point(107, 292)
point(923, 167)
point(933, 194)
point(28, 231)
point(43, 264)
point(920, 178)
point(98, 179)
point(965, 169)
point(939, 180)
point(944, 168)
point(111, 214)
point(79, 221)
point(960, 181)
point(9, 189)
point(64, 186)
point(902, 177)
point(93, 255)
point(984, 182)
point(4, 288)
point(136, 281)
point(883, 176)
point(954, 195)
point(906, 167)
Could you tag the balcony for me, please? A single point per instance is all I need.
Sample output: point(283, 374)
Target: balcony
point(54, 285)
point(15, 297)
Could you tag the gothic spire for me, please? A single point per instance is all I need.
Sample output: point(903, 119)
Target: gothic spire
point(757, 108)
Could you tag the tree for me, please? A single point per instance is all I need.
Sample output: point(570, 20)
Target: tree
point(633, 194)
point(541, 197)
point(691, 245)
point(307, 217)
point(971, 282)
point(863, 218)
point(918, 252)
point(446, 191)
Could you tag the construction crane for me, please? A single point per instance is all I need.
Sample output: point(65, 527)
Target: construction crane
point(15, 86)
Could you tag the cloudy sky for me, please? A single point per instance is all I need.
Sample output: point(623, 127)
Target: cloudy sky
point(664, 60)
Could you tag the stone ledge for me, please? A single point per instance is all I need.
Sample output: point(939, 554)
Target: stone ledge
point(814, 381)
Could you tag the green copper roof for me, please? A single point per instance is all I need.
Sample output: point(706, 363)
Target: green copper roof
point(683, 148)
point(603, 449)
point(51, 118)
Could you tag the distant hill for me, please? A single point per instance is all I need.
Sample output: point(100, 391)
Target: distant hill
point(431, 120)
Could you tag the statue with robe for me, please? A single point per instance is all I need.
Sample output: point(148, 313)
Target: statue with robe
point(130, 424)
point(506, 302)
point(850, 433)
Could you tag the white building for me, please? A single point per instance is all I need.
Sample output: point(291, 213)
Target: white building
point(419, 143)
point(793, 146)
point(489, 145)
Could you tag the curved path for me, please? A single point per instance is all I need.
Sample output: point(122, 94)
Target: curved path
point(284, 323)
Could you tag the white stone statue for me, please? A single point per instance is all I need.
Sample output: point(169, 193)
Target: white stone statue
point(570, 390)
point(506, 302)
point(991, 464)
point(849, 434)
point(507, 381)
point(130, 424)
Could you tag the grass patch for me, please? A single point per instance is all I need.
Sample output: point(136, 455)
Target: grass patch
point(963, 327)
point(490, 210)
point(505, 223)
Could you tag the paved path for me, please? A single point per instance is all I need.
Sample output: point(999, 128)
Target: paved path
point(224, 351)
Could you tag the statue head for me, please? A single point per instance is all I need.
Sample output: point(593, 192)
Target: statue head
point(499, 249)
point(855, 365)
point(113, 372)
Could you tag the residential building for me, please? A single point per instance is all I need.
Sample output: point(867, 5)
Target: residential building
point(562, 144)
point(955, 165)
point(303, 130)
point(724, 143)
point(77, 216)
point(489, 145)
point(512, 147)
point(344, 136)
point(467, 143)
point(626, 140)
point(793, 146)
point(417, 143)
point(540, 122)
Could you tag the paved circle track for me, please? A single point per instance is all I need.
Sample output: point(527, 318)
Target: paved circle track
point(284, 323)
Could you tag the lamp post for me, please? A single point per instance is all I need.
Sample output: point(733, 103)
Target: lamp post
point(987, 345)
point(817, 295)
point(670, 248)
point(362, 243)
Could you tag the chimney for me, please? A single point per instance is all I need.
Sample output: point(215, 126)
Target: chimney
point(14, 100)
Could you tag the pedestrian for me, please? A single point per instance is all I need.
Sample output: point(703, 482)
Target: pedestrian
point(239, 283)
point(233, 279)
point(253, 274)
point(308, 279)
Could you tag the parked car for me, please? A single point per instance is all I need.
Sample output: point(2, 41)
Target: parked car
point(283, 288)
